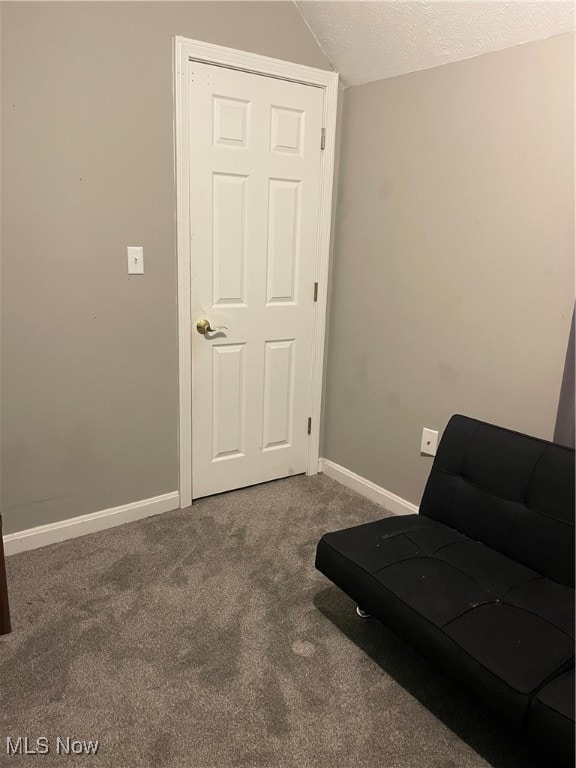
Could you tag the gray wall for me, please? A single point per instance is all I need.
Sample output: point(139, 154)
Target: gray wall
point(89, 356)
point(453, 274)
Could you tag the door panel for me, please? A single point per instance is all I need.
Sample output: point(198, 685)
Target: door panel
point(228, 402)
point(283, 240)
point(254, 204)
point(278, 394)
point(229, 239)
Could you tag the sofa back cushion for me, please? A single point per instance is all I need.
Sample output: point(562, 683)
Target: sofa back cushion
point(512, 492)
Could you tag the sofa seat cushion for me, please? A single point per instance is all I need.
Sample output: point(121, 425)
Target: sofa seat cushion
point(516, 645)
point(515, 623)
point(551, 718)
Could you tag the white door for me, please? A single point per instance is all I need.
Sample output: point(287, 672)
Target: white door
point(255, 148)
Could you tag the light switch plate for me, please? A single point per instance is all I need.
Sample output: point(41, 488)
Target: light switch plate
point(135, 260)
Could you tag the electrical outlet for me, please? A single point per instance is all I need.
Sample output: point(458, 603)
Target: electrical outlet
point(429, 442)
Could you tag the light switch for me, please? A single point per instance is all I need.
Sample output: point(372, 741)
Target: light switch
point(135, 260)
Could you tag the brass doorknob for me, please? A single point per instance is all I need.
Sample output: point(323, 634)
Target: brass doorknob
point(203, 327)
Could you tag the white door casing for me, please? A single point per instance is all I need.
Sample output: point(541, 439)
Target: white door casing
point(254, 193)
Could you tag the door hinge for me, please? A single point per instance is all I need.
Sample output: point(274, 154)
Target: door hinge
point(323, 138)
point(309, 425)
point(315, 291)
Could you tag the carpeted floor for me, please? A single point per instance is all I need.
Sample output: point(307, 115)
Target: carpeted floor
point(205, 638)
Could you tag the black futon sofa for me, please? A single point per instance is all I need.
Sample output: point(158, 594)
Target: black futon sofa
point(481, 581)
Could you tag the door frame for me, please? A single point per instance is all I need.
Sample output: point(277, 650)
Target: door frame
point(186, 50)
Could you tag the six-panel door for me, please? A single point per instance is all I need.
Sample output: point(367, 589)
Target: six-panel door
point(254, 200)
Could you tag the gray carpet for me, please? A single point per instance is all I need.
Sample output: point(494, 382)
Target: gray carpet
point(205, 638)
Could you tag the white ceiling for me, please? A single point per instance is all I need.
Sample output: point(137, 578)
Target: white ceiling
point(366, 40)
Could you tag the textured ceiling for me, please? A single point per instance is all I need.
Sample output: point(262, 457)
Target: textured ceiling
point(366, 40)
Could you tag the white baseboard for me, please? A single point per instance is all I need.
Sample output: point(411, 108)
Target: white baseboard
point(375, 493)
point(42, 535)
